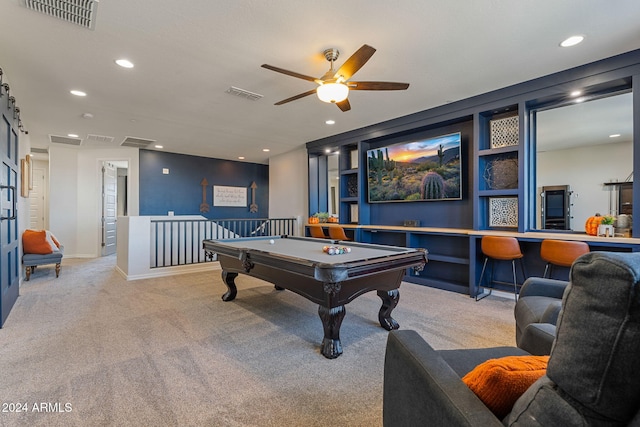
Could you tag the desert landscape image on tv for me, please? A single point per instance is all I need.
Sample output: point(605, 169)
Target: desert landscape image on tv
point(424, 169)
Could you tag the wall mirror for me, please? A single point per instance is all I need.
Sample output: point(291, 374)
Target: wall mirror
point(584, 146)
point(333, 184)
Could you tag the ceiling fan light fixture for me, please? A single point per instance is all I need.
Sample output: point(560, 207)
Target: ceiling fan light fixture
point(332, 92)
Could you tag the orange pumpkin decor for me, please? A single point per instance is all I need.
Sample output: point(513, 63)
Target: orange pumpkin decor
point(333, 219)
point(314, 220)
point(591, 226)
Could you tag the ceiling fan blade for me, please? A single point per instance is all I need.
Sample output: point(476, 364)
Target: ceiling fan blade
point(293, 98)
point(355, 62)
point(288, 73)
point(344, 105)
point(377, 86)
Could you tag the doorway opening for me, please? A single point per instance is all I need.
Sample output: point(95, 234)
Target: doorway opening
point(114, 202)
point(39, 193)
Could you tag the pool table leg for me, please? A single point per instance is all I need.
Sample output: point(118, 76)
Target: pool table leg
point(331, 322)
point(389, 301)
point(232, 291)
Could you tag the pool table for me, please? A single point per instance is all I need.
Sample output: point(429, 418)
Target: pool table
point(299, 264)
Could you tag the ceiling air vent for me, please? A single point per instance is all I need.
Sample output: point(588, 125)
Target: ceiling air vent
point(39, 150)
point(64, 140)
point(100, 139)
point(130, 141)
point(244, 93)
point(79, 12)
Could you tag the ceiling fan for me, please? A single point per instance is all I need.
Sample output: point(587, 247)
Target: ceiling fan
point(334, 86)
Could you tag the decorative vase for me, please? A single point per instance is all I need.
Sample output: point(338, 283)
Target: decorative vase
point(605, 230)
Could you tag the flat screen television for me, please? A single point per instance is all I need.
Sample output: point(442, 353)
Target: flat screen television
point(418, 170)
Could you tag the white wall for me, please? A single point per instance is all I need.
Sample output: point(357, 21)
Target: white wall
point(75, 195)
point(288, 186)
point(75, 180)
point(585, 170)
point(63, 196)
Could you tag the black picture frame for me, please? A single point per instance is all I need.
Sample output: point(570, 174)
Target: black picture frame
point(424, 169)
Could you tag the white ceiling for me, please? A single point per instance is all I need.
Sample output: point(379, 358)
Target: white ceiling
point(188, 53)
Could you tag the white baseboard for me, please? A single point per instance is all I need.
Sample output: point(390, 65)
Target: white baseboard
point(172, 271)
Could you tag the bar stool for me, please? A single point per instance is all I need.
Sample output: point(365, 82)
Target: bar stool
point(337, 233)
point(561, 253)
point(317, 231)
point(499, 248)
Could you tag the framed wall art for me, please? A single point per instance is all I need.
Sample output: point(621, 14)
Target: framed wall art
point(25, 174)
point(418, 170)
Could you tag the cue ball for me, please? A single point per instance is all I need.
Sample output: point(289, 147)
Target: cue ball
point(271, 242)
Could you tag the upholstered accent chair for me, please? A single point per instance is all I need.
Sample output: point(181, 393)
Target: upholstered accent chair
point(31, 261)
point(592, 377)
point(536, 314)
point(40, 247)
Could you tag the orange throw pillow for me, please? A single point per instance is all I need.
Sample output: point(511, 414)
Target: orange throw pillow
point(35, 242)
point(500, 382)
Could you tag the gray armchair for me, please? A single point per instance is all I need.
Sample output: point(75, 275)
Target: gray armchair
point(536, 314)
point(593, 375)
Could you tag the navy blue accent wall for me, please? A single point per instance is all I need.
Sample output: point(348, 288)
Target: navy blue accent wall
point(180, 191)
point(445, 213)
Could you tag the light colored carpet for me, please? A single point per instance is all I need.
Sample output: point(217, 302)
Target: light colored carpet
point(170, 352)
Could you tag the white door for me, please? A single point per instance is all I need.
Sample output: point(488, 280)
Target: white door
point(36, 200)
point(109, 208)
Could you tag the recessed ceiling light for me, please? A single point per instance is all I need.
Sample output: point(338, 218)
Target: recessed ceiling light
point(330, 122)
point(78, 93)
point(576, 93)
point(581, 99)
point(266, 150)
point(240, 157)
point(572, 41)
point(158, 146)
point(72, 135)
point(615, 135)
point(124, 63)
point(327, 150)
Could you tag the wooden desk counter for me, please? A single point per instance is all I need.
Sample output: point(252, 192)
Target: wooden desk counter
point(398, 228)
point(529, 235)
point(434, 230)
point(455, 258)
point(541, 235)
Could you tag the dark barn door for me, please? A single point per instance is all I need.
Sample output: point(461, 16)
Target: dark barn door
point(9, 249)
